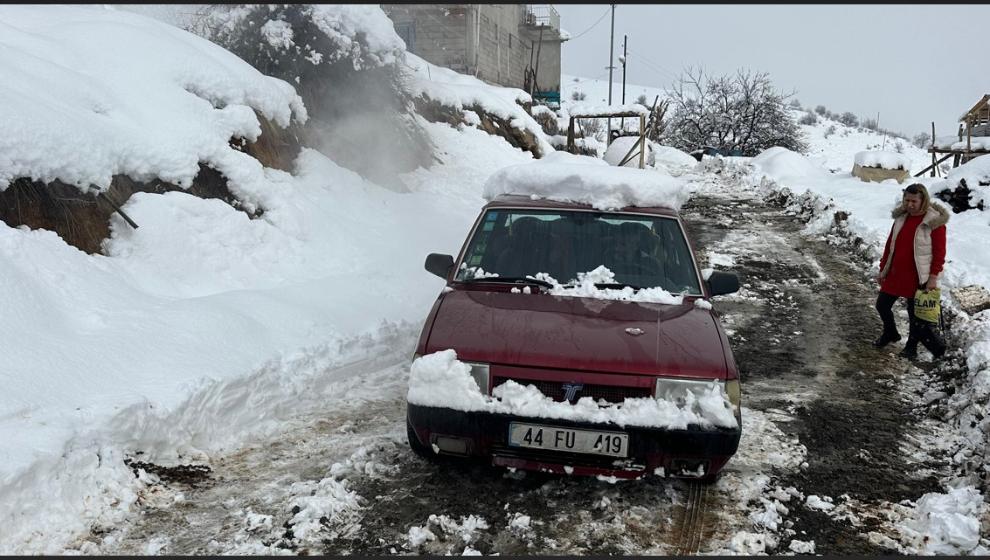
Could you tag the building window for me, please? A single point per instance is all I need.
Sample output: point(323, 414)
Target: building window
point(407, 31)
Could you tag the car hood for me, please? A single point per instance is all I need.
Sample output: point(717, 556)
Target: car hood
point(578, 333)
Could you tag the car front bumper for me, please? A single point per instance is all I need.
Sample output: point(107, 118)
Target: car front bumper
point(478, 434)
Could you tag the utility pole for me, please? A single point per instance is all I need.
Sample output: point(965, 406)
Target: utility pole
point(611, 56)
point(625, 39)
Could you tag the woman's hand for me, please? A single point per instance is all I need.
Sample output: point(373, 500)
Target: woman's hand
point(931, 284)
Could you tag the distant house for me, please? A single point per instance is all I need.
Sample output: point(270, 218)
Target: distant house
point(515, 45)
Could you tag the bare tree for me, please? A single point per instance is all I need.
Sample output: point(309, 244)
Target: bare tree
point(849, 119)
point(922, 140)
point(744, 113)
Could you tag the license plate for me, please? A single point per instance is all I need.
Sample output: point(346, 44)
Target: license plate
point(555, 438)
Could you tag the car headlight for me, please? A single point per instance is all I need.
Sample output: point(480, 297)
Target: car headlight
point(676, 390)
point(480, 374)
point(733, 389)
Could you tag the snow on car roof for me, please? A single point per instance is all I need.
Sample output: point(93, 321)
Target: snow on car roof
point(564, 177)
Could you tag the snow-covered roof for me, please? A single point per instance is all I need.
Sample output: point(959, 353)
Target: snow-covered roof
point(89, 92)
point(882, 159)
point(565, 177)
point(596, 110)
point(954, 143)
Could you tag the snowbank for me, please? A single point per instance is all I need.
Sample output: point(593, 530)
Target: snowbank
point(569, 178)
point(947, 524)
point(884, 160)
point(786, 165)
point(440, 379)
point(621, 146)
point(976, 173)
point(672, 158)
point(462, 91)
point(90, 92)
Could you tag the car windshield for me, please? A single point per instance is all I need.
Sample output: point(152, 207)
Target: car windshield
point(642, 251)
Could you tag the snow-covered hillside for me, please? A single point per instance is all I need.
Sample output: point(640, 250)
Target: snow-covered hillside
point(834, 145)
point(831, 144)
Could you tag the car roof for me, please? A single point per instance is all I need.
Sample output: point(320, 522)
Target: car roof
point(526, 201)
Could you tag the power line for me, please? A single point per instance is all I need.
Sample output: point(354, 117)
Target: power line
point(592, 25)
point(655, 66)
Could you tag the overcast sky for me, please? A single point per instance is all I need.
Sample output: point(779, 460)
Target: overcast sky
point(913, 63)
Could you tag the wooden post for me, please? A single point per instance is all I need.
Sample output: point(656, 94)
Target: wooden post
point(571, 147)
point(934, 163)
point(642, 142)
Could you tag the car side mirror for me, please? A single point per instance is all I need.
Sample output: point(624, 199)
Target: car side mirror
point(439, 264)
point(720, 283)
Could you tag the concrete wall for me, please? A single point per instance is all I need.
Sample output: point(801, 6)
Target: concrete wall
point(503, 54)
point(490, 41)
point(436, 32)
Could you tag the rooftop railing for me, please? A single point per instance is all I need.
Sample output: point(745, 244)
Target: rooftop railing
point(542, 15)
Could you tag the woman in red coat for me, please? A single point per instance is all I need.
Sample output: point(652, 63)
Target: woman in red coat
point(912, 260)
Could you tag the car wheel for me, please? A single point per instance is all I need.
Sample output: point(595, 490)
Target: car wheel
point(424, 451)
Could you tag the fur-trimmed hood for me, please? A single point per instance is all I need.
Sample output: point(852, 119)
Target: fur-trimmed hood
point(937, 216)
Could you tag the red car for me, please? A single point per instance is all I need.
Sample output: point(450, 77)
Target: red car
point(517, 313)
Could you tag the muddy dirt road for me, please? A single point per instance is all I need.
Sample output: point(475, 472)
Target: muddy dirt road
point(832, 440)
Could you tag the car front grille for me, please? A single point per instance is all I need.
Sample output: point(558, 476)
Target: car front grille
point(555, 390)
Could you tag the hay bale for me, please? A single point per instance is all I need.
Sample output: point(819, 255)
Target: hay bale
point(972, 299)
point(878, 174)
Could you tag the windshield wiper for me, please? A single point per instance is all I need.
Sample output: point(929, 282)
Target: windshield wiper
point(510, 280)
point(618, 286)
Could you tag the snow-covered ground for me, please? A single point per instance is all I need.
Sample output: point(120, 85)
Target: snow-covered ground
point(203, 329)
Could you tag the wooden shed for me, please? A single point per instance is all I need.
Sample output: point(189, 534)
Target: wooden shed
point(971, 140)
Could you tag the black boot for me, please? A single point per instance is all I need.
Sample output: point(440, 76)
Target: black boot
point(933, 342)
point(886, 338)
point(910, 350)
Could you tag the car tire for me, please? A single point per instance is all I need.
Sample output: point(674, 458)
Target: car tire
point(426, 452)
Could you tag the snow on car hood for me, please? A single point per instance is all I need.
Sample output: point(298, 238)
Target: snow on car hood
point(579, 333)
point(440, 379)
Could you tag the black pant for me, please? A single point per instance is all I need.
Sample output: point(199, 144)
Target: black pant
point(918, 330)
